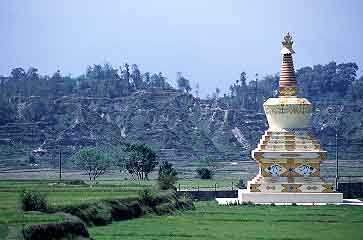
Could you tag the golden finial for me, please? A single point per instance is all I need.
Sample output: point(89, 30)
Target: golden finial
point(287, 43)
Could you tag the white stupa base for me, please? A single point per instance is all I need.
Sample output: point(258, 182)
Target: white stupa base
point(245, 196)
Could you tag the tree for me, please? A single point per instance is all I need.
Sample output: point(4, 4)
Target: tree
point(119, 157)
point(94, 162)
point(155, 81)
point(358, 88)
point(218, 91)
point(136, 76)
point(346, 74)
point(147, 80)
point(141, 160)
point(210, 163)
point(31, 159)
point(17, 73)
point(210, 167)
point(204, 173)
point(125, 85)
point(183, 83)
point(162, 80)
point(167, 176)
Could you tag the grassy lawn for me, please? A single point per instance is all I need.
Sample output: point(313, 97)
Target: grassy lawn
point(210, 221)
point(12, 219)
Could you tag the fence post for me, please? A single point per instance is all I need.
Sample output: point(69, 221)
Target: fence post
point(179, 186)
point(232, 185)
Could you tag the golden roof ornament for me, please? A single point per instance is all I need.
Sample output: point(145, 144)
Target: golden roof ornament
point(287, 82)
point(287, 45)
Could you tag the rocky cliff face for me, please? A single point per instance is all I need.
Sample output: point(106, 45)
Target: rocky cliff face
point(180, 128)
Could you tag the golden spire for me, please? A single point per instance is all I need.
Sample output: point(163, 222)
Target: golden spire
point(287, 44)
point(287, 82)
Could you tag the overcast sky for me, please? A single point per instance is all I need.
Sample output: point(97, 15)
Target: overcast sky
point(211, 42)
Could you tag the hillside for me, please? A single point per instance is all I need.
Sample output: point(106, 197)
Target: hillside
point(181, 128)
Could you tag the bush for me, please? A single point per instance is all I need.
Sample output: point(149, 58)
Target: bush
point(249, 203)
point(204, 173)
point(33, 201)
point(146, 197)
point(123, 211)
point(167, 176)
point(98, 213)
point(185, 202)
point(105, 211)
point(241, 184)
point(165, 208)
point(55, 231)
point(76, 182)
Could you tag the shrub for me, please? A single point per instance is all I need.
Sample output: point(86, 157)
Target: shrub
point(102, 214)
point(146, 197)
point(123, 211)
point(55, 231)
point(185, 202)
point(167, 176)
point(33, 201)
point(249, 203)
point(76, 182)
point(204, 173)
point(32, 159)
point(97, 213)
point(105, 211)
point(165, 208)
point(241, 184)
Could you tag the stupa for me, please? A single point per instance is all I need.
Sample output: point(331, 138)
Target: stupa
point(288, 154)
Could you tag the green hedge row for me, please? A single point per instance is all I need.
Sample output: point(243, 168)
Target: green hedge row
point(104, 212)
point(51, 231)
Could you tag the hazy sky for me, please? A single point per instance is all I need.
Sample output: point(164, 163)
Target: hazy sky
point(211, 42)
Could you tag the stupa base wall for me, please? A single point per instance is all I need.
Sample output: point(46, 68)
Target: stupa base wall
point(311, 198)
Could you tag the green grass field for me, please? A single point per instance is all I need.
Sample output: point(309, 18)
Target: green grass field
point(12, 219)
point(210, 221)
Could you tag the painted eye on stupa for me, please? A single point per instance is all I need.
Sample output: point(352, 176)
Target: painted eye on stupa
point(275, 169)
point(306, 169)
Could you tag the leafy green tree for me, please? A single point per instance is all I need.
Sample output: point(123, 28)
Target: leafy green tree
point(119, 157)
point(162, 80)
point(93, 161)
point(147, 79)
point(346, 74)
point(124, 83)
point(210, 163)
point(136, 76)
point(209, 167)
point(155, 81)
point(358, 88)
point(183, 83)
point(204, 173)
point(31, 159)
point(17, 73)
point(141, 160)
point(167, 176)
